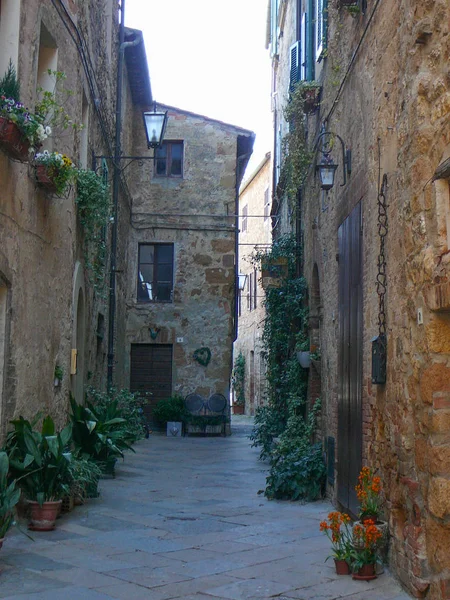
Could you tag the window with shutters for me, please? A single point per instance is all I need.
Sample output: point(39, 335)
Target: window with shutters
point(294, 65)
point(321, 12)
point(169, 159)
point(155, 275)
point(244, 217)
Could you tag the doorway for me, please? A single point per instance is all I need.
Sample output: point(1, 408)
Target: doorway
point(151, 372)
point(350, 359)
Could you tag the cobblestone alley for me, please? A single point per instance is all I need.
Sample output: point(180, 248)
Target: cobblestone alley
point(183, 520)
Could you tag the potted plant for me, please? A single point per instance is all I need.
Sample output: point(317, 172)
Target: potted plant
point(9, 497)
point(171, 412)
point(310, 93)
point(85, 475)
point(338, 532)
point(41, 461)
point(364, 555)
point(99, 434)
point(238, 383)
point(53, 171)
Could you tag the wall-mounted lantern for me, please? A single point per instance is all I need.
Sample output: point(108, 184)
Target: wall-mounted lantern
point(327, 168)
point(241, 281)
point(155, 126)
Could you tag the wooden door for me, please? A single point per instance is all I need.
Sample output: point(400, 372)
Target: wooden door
point(151, 371)
point(350, 359)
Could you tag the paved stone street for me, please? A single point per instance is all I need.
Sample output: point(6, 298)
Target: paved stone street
point(183, 520)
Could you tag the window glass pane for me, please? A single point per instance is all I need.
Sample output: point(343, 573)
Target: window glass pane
point(161, 152)
point(175, 168)
point(177, 151)
point(165, 253)
point(164, 273)
point(145, 292)
point(163, 292)
point(161, 166)
point(146, 273)
point(146, 253)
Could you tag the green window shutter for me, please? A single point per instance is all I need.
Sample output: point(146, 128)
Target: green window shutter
point(310, 54)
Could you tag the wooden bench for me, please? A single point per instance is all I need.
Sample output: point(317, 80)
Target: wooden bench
point(206, 416)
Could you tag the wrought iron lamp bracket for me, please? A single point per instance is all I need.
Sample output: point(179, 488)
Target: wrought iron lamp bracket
point(324, 145)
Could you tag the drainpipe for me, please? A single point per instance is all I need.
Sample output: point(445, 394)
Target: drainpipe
point(116, 182)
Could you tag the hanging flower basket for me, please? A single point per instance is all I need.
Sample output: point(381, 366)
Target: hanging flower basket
point(44, 179)
point(310, 99)
point(12, 140)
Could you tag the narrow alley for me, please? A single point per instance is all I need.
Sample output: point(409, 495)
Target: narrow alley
point(182, 519)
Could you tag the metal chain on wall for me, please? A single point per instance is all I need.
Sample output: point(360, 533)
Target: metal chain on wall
point(381, 276)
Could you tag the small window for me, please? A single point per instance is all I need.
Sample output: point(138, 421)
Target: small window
point(47, 60)
point(244, 218)
point(169, 160)
point(155, 277)
point(266, 204)
point(321, 28)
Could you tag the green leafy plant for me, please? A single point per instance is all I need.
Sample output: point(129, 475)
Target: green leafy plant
point(9, 496)
point(39, 461)
point(59, 372)
point(299, 475)
point(9, 84)
point(92, 199)
point(269, 424)
point(99, 433)
point(316, 355)
point(366, 539)
point(129, 407)
point(353, 9)
point(85, 476)
point(238, 380)
point(59, 168)
point(170, 409)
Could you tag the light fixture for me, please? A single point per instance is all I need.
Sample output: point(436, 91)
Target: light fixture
point(327, 168)
point(241, 281)
point(155, 125)
point(327, 171)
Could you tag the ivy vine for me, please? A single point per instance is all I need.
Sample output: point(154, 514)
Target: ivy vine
point(94, 208)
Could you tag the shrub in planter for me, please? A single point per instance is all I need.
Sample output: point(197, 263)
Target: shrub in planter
point(53, 171)
point(170, 409)
point(99, 433)
point(85, 476)
point(40, 463)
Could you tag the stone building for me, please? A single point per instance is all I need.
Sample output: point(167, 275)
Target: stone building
point(385, 91)
point(181, 269)
point(255, 234)
point(51, 313)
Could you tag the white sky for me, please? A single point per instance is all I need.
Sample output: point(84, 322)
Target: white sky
point(208, 57)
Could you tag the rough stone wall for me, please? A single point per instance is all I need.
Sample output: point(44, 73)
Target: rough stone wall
point(251, 322)
point(41, 240)
point(196, 214)
point(393, 111)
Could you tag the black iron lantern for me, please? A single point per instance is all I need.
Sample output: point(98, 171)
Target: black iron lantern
point(155, 126)
point(327, 171)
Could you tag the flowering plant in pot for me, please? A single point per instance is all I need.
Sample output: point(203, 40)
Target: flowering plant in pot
point(364, 554)
point(53, 171)
point(338, 531)
point(40, 463)
point(368, 492)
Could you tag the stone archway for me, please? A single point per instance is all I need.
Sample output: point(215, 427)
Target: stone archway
point(78, 333)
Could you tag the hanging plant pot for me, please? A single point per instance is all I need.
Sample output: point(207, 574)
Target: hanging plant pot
point(43, 517)
point(12, 140)
point(342, 567)
point(310, 99)
point(365, 573)
point(304, 359)
point(43, 179)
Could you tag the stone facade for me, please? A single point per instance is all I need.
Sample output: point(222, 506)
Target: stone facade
point(386, 93)
point(255, 234)
point(194, 214)
point(48, 305)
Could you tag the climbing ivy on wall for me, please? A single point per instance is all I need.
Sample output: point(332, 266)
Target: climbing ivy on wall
point(238, 380)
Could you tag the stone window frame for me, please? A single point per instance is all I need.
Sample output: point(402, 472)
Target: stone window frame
point(155, 281)
point(168, 145)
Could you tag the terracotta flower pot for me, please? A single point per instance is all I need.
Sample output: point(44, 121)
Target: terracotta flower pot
point(342, 567)
point(43, 179)
point(43, 517)
point(238, 409)
point(12, 140)
point(366, 573)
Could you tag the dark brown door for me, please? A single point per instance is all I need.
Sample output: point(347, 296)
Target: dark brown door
point(350, 359)
point(151, 371)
